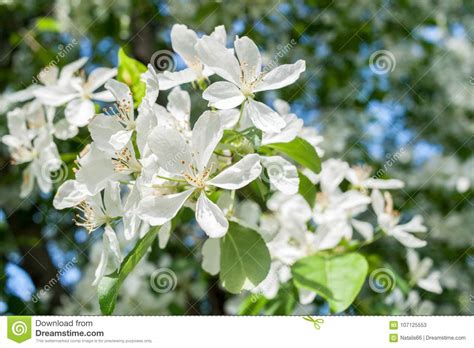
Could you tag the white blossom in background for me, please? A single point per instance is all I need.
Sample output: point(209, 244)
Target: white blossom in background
point(78, 94)
point(183, 41)
point(389, 219)
point(420, 272)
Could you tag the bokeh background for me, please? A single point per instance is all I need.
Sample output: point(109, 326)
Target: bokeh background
point(408, 113)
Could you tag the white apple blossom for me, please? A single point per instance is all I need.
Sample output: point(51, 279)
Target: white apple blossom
point(183, 41)
point(190, 163)
point(29, 142)
point(388, 220)
point(420, 273)
point(97, 210)
point(244, 77)
point(78, 93)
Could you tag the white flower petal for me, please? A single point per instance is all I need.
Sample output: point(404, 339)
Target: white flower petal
point(239, 175)
point(210, 217)
point(364, 228)
point(179, 104)
point(306, 296)
point(152, 86)
point(131, 221)
point(69, 194)
point(217, 57)
point(79, 112)
point(112, 199)
point(145, 122)
point(229, 118)
point(110, 245)
point(431, 283)
point(120, 139)
point(113, 244)
point(98, 77)
point(174, 154)
point(207, 133)
point(211, 255)
point(164, 234)
point(102, 128)
point(219, 34)
point(64, 130)
point(96, 169)
point(388, 184)
point(170, 79)
point(249, 58)
point(157, 210)
point(102, 266)
point(223, 95)
point(288, 133)
point(414, 225)
point(282, 174)
point(183, 41)
point(28, 182)
point(55, 95)
point(263, 117)
point(281, 76)
point(378, 202)
point(281, 106)
point(407, 239)
point(104, 96)
point(332, 173)
point(70, 69)
point(122, 96)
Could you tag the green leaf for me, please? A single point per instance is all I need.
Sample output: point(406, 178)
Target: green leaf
point(49, 24)
point(245, 260)
point(129, 72)
point(307, 189)
point(254, 136)
point(299, 150)
point(239, 142)
point(110, 284)
point(338, 278)
point(252, 305)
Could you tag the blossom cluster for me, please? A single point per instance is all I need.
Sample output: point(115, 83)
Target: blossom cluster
point(148, 162)
point(36, 123)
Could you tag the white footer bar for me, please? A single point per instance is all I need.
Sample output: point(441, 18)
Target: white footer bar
point(229, 332)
